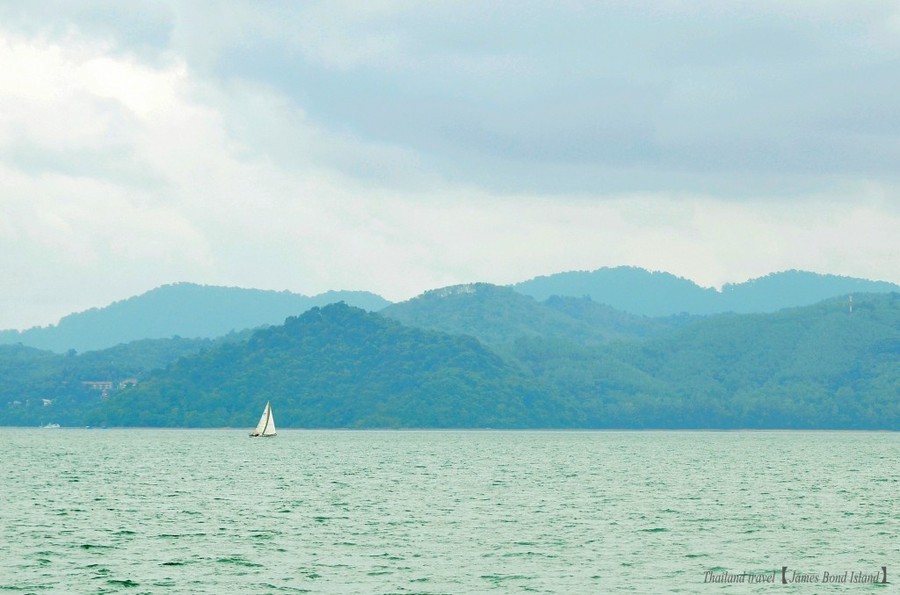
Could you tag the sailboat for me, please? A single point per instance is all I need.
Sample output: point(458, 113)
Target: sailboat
point(266, 426)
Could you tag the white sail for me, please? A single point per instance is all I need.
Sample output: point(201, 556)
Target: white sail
point(266, 425)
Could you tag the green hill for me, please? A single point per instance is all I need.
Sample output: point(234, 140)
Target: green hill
point(813, 367)
point(499, 316)
point(39, 386)
point(339, 366)
point(818, 366)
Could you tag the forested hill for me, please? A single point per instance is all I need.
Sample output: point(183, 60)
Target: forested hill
point(39, 386)
point(498, 316)
point(182, 310)
point(819, 366)
point(638, 291)
point(339, 366)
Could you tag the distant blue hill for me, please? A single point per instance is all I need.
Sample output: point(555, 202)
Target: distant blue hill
point(183, 310)
point(646, 293)
point(193, 311)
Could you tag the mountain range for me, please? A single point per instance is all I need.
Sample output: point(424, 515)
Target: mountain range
point(342, 367)
point(498, 316)
point(647, 293)
point(485, 356)
point(179, 310)
point(474, 355)
point(196, 311)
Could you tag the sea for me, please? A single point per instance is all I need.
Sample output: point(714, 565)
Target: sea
point(316, 511)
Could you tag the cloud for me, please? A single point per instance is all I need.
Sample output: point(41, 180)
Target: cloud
point(401, 146)
point(553, 97)
point(597, 98)
point(138, 174)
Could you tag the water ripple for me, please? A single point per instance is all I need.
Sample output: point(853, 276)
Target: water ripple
point(438, 512)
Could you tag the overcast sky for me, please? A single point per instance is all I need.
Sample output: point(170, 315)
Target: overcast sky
point(397, 146)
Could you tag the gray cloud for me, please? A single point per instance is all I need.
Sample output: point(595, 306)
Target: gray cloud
point(549, 97)
point(142, 28)
point(604, 97)
point(390, 145)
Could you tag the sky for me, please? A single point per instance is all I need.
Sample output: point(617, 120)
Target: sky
point(396, 146)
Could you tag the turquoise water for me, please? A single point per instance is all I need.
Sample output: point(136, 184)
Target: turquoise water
point(213, 511)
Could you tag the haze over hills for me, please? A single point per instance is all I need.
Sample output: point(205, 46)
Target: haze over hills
point(648, 293)
point(621, 303)
point(819, 366)
point(183, 310)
